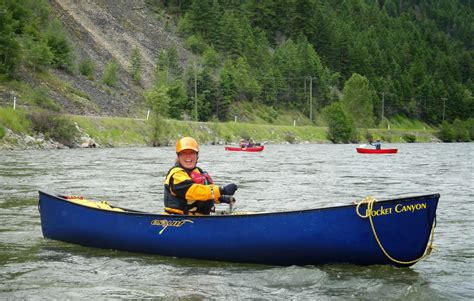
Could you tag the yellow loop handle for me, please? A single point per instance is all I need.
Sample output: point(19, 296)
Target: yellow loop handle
point(370, 205)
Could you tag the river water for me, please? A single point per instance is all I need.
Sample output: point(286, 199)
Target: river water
point(282, 177)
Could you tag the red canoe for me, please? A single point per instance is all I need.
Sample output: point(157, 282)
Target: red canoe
point(362, 150)
point(245, 149)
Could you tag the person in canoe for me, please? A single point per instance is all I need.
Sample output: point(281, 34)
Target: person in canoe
point(244, 143)
point(377, 144)
point(190, 190)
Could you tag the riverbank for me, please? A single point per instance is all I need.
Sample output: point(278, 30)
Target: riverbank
point(125, 132)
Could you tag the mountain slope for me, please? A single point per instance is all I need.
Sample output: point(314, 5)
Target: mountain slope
point(106, 30)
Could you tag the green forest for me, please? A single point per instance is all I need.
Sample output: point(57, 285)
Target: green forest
point(416, 56)
point(359, 61)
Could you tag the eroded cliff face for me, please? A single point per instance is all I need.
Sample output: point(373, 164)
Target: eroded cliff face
point(105, 30)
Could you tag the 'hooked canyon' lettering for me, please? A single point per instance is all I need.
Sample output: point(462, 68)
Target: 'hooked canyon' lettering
point(399, 208)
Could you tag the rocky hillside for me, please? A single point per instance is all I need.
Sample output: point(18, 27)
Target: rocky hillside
point(105, 30)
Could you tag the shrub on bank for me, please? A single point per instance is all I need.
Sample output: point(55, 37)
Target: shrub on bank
point(2, 132)
point(341, 126)
point(470, 128)
point(290, 138)
point(54, 126)
point(446, 132)
point(387, 136)
point(458, 131)
point(410, 138)
point(15, 120)
point(461, 131)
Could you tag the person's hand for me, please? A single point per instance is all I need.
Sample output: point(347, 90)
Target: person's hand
point(227, 199)
point(228, 189)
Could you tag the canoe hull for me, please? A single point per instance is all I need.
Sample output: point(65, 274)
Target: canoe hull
point(376, 151)
point(245, 149)
point(307, 237)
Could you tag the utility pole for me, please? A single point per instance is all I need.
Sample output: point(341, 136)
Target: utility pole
point(311, 98)
point(383, 105)
point(195, 94)
point(444, 106)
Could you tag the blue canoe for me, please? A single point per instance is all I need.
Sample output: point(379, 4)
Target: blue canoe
point(396, 231)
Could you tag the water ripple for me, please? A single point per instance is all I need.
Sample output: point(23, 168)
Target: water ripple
point(283, 177)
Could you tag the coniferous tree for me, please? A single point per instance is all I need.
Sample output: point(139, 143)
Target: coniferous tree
point(286, 63)
point(358, 100)
point(202, 17)
point(263, 15)
point(60, 47)
point(136, 65)
point(247, 85)
point(9, 47)
point(227, 88)
point(158, 100)
point(234, 29)
point(37, 55)
point(341, 127)
point(110, 76)
point(208, 96)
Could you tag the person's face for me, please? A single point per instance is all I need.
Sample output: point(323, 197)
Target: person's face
point(188, 158)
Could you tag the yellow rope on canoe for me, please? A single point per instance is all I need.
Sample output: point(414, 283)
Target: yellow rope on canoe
point(370, 205)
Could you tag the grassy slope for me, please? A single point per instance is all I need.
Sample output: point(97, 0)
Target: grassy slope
point(119, 132)
point(254, 120)
point(126, 132)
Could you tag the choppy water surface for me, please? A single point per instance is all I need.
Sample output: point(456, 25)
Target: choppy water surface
point(282, 177)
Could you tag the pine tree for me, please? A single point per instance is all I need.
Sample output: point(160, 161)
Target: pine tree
point(358, 100)
point(136, 65)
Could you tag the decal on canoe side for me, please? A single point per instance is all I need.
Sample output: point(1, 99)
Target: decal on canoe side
point(399, 208)
point(169, 223)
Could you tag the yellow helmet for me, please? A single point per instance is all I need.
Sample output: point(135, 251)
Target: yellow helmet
point(186, 143)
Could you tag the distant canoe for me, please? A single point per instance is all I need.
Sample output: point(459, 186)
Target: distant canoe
point(395, 231)
point(258, 148)
point(363, 150)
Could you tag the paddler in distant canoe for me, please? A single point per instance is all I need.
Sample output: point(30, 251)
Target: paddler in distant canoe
point(190, 190)
point(377, 144)
point(244, 143)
